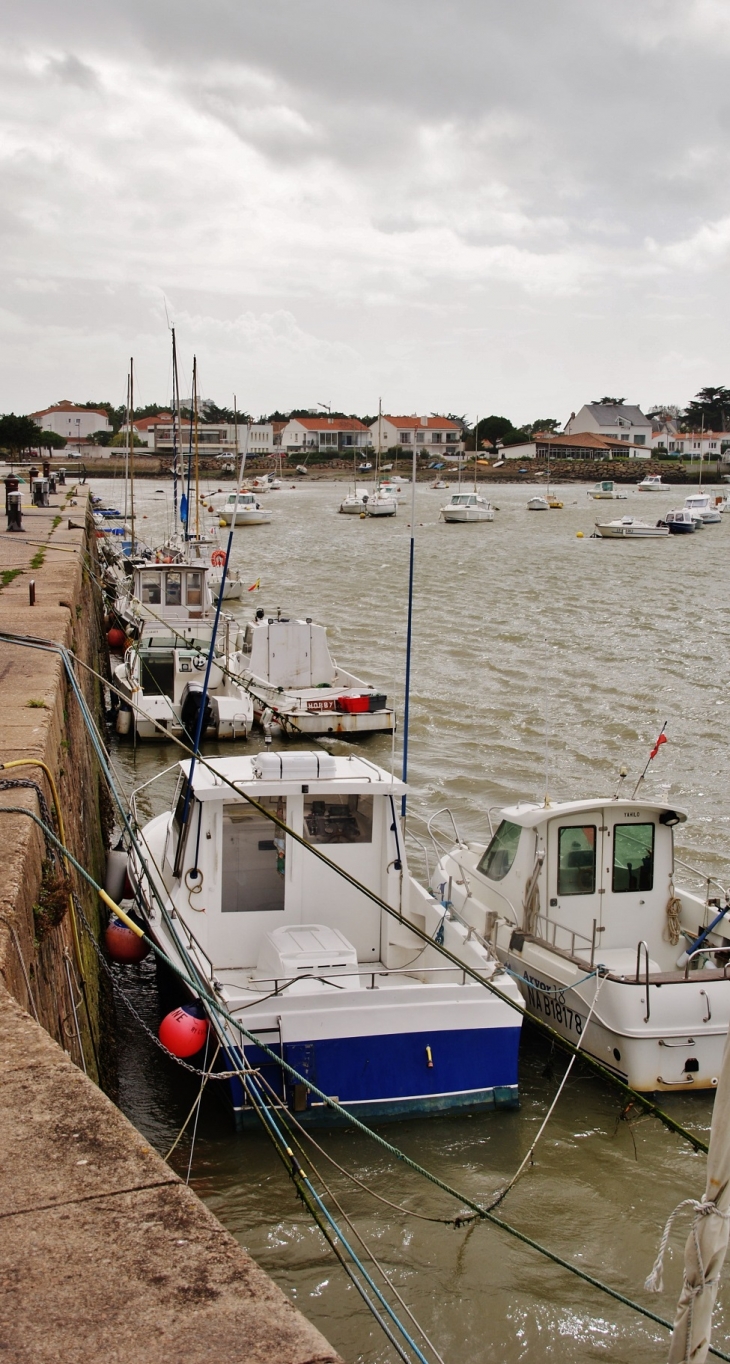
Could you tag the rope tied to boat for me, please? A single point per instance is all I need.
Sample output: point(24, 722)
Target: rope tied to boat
point(703, 1208)
point(673, 931)
point(531, 902)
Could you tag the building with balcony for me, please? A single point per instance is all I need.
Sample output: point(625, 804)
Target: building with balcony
point(613, 421)
point(328, 435)
point(433, 435)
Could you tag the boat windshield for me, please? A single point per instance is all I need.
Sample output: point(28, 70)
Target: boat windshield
point(462, 500)
point(499, 856)
point(347, 820)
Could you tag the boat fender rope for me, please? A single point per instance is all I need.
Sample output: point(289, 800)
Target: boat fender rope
point(673, 928)
point(703, 1208)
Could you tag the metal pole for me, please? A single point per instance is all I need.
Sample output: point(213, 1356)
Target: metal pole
point(409, 631)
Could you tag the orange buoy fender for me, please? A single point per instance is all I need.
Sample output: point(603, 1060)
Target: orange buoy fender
point(218, 558)
point(115, 638)
point(123, 945)
point(184, 1031)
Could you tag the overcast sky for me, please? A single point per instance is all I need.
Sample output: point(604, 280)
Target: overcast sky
point(469, 207)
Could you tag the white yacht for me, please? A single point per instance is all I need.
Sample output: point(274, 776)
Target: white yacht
point(652, 483)
point(606, 490)
point(467, 506)
point(581, 901)
point(355, 503)
point(298, 688)
point(628, 528)
point(248, 510)
point(169, 612)
point(382, 503)
point(538, 503)
point(702, 507)
point(336, 985)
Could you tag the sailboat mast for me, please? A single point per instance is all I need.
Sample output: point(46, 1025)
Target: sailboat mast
point(195, 438)
point(409, 630)
point(176, 430)
point(476, 449)
point(131, 445)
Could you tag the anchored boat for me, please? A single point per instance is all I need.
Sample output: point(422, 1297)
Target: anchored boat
point(652, 483)
point(606, 490)
point(247, 508)
point(467, 507)
point(580, 900)
point(338, 987)
point(628, 528)
point(296, 686)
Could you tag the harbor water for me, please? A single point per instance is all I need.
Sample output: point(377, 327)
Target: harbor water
point(542, 662)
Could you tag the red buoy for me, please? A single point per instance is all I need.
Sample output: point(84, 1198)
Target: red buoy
point(184, 1031)
point(115, 638)
point(123, 945)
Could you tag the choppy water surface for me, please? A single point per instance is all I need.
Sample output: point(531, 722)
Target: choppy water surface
point(519, 627)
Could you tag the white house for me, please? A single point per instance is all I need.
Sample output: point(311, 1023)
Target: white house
point(157, 434)
point(697, 444)
point(75, 423)
point(326, 434)
point(430, 432)
point(614, 421)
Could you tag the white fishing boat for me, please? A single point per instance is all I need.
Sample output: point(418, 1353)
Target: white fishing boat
point(298, 688)
point(681, 521)
point(582, 901)
point(338, 987)
point(702, 506)
point(538, 503)
point(247, 508)
point(439, 483)
point(168, 611)
point(467, 506)
point(607, 490)
point(652, 483)
point(628, 528)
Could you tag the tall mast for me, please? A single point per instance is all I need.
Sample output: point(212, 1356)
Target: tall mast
point(176, 429)
point(195, 437)
point(131, 445)
point(476, 450)
point(409, 630)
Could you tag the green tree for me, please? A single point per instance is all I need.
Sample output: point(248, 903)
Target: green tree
point(599, 402)
point(548, 424)
point(493, 429)
point(709, 408)
point(50, 440)
point(122, 439)
point(18, 433)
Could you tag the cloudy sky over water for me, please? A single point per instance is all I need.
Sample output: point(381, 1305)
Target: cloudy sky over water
point(467, 207)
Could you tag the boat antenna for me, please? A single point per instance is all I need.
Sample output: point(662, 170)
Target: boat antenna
point(130, 414)
point(197, 463)
point(190, 466)
point(621, 776)
point(476, 433)
point(409, 630)
point(547, 719)
point(176, 428)
point(662, 739)
point(126, 460)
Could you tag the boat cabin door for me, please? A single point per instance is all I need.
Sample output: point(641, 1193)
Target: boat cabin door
point(575, 889)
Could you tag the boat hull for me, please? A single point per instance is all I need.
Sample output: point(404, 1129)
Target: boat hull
point(328, 722)
point(463, 514)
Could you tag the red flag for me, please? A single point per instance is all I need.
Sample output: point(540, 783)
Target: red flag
point(661, 740)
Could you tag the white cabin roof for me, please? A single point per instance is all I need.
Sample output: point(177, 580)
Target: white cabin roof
point(529, 815)
point(347, 775)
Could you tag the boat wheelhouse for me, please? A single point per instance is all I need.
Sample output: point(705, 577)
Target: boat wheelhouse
point(246, 508)
point(703, 508)
point(581, 900)
point(466, 506)
point(297, 687)
point(652, 483)
point(337, 986)
point(681, 521)
point(606, 490)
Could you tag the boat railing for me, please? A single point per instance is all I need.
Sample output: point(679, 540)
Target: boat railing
point(639, 945)
point(423, 848)
point(552, 928)
point(330, 976)
point(708, 880)
point(705, 951)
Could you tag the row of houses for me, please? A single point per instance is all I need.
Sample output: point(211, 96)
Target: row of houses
point(605, 430)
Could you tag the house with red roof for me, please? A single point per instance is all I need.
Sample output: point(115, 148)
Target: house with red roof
point(436, 435)
point(325, 434)
point(73, 422)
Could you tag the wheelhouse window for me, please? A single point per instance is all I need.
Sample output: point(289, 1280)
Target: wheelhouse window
point(254, 858)
point(577, 860)
point(195, 589)
point(151, 589)
point(633, 857)
point(347, 820)
point(499, 856)
point(173, 589)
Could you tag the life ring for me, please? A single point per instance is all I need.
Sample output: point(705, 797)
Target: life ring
point(218, 558)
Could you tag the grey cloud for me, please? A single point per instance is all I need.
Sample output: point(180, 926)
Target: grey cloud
point(69, 70)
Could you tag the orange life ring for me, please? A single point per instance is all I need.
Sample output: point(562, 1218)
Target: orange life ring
point(218, 558)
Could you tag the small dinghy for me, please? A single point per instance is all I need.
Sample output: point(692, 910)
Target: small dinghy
point(628, 528)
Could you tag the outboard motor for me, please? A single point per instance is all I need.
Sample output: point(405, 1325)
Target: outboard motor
point(192, 699)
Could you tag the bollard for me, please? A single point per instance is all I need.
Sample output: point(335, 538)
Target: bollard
point(39, 489)
point(11, 486)
point(46, 468)
point(31, 591)
point(62, 477)
point(52, 483)
point(15, 521)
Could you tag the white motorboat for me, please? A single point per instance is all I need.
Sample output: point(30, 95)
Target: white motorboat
point(247, 508)
point(652, 483)
point(466, 506)
point(607, 490)
point(364, 467)
point(168, 609)
point(298, 688)
point(581, 900)
point(628, 528)
point(439, 483)
point(339, 988)
point(538, 503)
point(355, 503)
point(391, 489)
point(681, 521)
point(701, 506)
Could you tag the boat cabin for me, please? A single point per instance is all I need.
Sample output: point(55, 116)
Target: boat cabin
point(288, 653)
point(590, 878)
point(172, 592)
point(258, 895)
point(465, 500)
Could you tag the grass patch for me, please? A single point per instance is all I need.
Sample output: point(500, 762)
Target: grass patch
point(52, 903)
point(35, 704)
point(7, 575)
point(38, 558)
point(56, 522)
